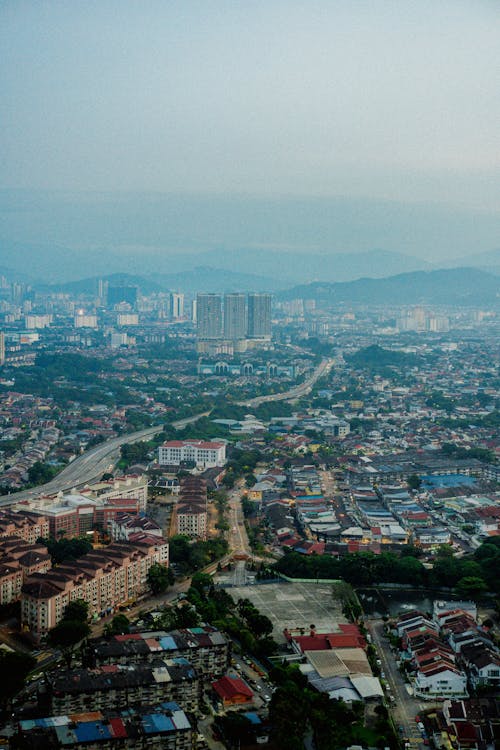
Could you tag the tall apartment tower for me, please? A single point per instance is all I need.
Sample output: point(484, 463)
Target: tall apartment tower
point(259, 316)
point(2, 348)
point(235, 316)
point(209, 316)
point(176, 306)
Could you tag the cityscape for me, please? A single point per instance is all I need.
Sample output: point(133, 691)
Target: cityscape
point(249, 376)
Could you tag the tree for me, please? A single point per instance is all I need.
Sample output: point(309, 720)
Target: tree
point(119, 625)
point(159, 578)
point(471, 587)
point(77, 610)
point(67, 635)
point(414, 481)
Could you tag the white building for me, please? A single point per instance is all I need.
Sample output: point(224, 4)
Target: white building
point(127, 319)
point(82, 320)
point(440, 681)
point(204, 454)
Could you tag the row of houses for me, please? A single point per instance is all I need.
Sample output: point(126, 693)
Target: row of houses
point(448, 654)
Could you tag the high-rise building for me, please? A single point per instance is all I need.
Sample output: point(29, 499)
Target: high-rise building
point(2, 348)
point(209, 316)
point(176, 306)
point(259, 316)
point(235, 316)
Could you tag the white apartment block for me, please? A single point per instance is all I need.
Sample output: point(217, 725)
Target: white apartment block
point(205, 455)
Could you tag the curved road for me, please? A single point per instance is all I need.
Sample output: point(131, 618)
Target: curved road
point(92, 464)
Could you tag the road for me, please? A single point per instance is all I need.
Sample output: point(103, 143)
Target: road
point(406, 706)
point(92, 464)
point(299, 390)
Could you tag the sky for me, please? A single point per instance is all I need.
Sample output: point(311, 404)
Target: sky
point(381, 100)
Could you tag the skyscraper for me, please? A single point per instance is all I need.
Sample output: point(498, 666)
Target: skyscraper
point(176, 306)
point(259, 316)
point(209, 316)
point(2, 348)
point(235, 316)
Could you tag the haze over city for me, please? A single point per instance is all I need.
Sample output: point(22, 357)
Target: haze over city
point(323, 127)
point(249, 375)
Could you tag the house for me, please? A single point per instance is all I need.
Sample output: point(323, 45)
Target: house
point(439, 680)
point(233, 691)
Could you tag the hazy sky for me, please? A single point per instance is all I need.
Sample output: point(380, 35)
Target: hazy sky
point(383, 99)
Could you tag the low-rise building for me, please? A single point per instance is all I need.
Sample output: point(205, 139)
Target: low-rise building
point(205, 647)
point(72, 690)
point(165, 725)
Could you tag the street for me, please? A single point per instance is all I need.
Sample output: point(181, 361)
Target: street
point(405, 707)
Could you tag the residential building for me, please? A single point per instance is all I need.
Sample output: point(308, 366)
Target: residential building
point(259, 316)
point(205, 647)
point(209, 316)
point(104, 578)
point(23, 524)
point(176, 306)
point(235, 316)
point(163, 725)
point(104, 688)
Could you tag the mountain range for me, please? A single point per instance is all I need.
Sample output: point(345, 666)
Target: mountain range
point(454, 286)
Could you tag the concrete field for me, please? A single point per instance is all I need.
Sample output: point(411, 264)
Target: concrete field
point(293, 605)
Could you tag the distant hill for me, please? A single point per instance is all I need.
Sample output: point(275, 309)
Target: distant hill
point(89, 285)
point(297, 266)
point(489, 261)
point(199, 279)
point(206, 279)
point(456, 286)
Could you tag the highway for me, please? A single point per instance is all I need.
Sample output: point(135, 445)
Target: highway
point(300, 390)
point(91, 465)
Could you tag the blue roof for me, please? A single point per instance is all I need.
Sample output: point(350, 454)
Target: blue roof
point(153, 723)
point(168, 643)
point(253, 717)
point(87, 731)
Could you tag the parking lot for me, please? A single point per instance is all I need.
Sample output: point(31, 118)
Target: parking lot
point(293, 605)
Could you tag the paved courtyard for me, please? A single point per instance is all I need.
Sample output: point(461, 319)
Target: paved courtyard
point(293, 605)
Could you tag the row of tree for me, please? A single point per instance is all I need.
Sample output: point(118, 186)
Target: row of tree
point(471, 576)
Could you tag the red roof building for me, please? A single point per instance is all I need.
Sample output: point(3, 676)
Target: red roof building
point(233, 691)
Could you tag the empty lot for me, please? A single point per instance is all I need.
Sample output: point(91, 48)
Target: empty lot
point(293, 605)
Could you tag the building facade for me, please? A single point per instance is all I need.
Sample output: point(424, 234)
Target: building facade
point(202, 453)
point(259, 316)
point(104, 578)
